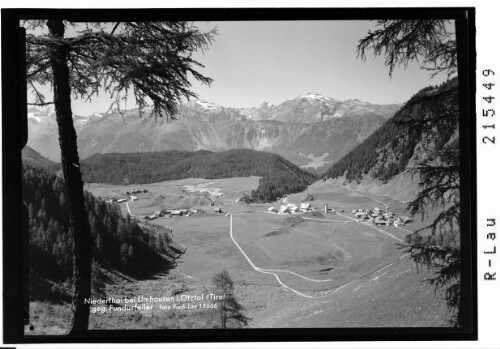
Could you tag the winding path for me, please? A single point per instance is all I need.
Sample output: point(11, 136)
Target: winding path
point(128, 209)
point(274, 271)
point(350, 220)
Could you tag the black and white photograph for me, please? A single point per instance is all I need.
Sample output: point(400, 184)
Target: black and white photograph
point(268, 173)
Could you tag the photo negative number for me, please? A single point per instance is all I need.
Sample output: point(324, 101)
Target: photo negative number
point(488, 103)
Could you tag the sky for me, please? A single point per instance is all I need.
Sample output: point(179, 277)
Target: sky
point(253, 62)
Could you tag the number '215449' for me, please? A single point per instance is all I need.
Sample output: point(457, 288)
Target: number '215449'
point(487, 110)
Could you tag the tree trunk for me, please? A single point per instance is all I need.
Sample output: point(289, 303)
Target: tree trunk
point(72, 176)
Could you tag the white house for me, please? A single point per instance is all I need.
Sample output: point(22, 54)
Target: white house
point(405, 220)
point(151, 216)
point(284, 209)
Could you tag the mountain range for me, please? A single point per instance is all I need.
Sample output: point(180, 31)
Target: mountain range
point(310, 130)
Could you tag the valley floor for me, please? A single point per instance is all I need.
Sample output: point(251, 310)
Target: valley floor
point(326, 271)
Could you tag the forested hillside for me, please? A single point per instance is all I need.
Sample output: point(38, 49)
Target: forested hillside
point(388, 150)
point(279, 176)
point(32, 157)
point(118, 243)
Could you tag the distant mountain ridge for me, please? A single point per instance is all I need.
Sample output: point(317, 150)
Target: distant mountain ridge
point(311, 107)
point(300, 129)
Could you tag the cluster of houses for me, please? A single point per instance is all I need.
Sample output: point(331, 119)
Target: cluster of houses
point(118, 200)
point(178, 213)
point(129, 197)
point(291, 208)
point(380, 217)
point(171, 213)
point(136, 191)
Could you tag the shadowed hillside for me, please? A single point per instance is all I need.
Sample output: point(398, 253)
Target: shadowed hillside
point(390, 149)
point(118, 243)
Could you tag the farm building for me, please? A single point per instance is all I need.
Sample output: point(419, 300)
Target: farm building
point(151, 216)
point(403, 220)
point(176, 213)
point(218, 210)
point(121, 200)
point(406, 220)
point(133, 198)
point(284, 209)
point(305, 206)
point(380, 221)
point(271, 210)
point(289, 208)
point(360, 214)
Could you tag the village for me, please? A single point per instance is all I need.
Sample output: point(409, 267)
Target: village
point(176, 212)
point(374, 216)
point(129, 196)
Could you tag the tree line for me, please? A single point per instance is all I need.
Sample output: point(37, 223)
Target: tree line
point(117, 242)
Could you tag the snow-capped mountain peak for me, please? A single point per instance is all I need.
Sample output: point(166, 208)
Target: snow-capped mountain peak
point(314, 97)
point(311, 95)
point(205, 105)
